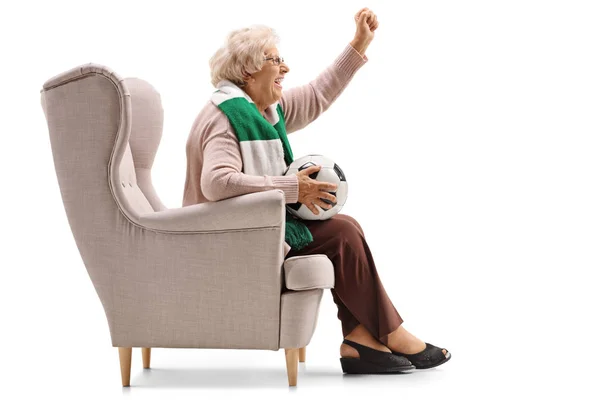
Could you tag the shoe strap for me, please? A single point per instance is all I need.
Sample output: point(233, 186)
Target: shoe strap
point(371, 355)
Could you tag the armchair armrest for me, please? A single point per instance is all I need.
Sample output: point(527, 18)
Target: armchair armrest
point(201, 276)
point(313, 271)
point(249, 211)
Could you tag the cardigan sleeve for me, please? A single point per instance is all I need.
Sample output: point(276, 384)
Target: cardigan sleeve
point(222, 175)
point(303, 104)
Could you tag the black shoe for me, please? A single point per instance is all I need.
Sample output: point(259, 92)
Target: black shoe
point(373, 361)
point(431, 357)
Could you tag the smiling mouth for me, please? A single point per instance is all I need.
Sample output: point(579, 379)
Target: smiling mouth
point(277, 83)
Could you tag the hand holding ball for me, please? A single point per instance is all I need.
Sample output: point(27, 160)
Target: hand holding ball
point(322, 188)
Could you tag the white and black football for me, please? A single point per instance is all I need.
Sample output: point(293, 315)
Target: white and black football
point(329, 172)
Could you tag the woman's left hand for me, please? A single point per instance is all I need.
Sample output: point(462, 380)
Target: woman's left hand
point(366, 23)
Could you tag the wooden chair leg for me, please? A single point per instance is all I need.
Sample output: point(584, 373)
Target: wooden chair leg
point(146, 356)
point(302, 354)
point(125, 359)
point(291, 361)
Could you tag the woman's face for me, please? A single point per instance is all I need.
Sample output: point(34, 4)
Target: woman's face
point(265, 86)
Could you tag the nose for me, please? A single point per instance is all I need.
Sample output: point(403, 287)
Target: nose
point(284, 68)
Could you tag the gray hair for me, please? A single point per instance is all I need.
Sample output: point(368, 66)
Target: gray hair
point(243, 50)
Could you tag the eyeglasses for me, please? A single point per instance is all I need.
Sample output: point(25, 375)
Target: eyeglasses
point(276, 60)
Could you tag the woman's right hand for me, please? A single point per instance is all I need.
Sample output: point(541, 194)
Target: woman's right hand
point(311, 191)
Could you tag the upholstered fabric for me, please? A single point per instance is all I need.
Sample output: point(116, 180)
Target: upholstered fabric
point(299, 315)
point(309, 272)
point(204, 276)
point(146, 131)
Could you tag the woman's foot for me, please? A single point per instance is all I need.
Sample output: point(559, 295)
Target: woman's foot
point(402, 341)
point(361, 353)
point(362, 336)
point(431, 357)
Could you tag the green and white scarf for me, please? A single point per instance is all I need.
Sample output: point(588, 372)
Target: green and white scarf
point(265, 147)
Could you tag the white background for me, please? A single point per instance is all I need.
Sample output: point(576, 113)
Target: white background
point(471, 144)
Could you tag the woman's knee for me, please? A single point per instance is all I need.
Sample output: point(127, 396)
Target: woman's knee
point(353, 221)
point(347, 229)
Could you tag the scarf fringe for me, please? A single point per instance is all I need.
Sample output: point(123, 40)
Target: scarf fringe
point(297, 234)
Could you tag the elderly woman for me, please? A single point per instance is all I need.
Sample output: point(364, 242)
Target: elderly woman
point(238, 145)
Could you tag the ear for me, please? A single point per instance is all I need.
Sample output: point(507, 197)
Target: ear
point(247, 77)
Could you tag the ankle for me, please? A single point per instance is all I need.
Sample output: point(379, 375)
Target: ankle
point(404, 342)
point(360, 332)
point(362, 336)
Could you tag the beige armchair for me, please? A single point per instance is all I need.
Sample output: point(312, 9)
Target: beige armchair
point(204, 276)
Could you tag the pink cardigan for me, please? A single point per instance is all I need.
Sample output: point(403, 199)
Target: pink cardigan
point(214, 160)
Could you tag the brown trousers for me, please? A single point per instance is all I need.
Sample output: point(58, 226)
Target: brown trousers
point(358, 292)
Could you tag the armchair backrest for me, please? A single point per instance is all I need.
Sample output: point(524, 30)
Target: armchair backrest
point(104, 133)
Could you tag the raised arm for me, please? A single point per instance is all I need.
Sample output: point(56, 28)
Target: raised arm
point(304, 104)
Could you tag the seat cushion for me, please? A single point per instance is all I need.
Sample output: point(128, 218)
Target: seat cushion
point(314, 271)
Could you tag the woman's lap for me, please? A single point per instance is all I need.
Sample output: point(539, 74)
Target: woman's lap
point(328, 234)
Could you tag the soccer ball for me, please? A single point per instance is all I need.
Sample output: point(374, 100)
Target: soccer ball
point(329, 172)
